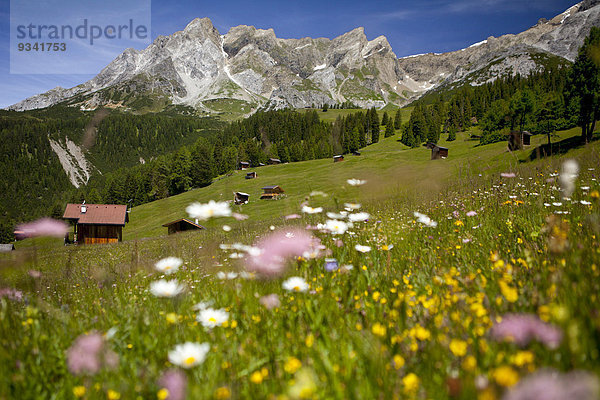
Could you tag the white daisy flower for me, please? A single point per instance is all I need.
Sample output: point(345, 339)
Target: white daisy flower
point(164, 288)
point(356, 182)
point(358, 217)
point(209, 317)
point(310, 210)
point(203, 305)
point(336, 227)
point(425, 220)
point(362, 249)
point(168, 265)
point(209, 210)
point(226, 275)
point(226, 228)
point(295, 284)
point(189, 354)
point(351, 206)
point(333, 215)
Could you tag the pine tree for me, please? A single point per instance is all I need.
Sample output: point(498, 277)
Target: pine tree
point(389, 130)
point(385, 118)
point(398, 120)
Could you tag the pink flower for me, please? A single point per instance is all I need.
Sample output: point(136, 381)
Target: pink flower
point(292, 216)
point(270, 301)
point(523, 328)
point(552, 385)
point(239, 217)
point(175, 382)
point(276, 248)
point(88, 354)
point(44, 227)
point(471, 213)
point(34, 274)
point(11, 294)
point(508, 174)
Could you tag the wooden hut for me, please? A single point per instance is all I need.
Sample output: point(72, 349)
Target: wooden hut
point(437, 152)
point(251, 175)
point(271, 192)
point(182, 225)
point(244, 165)
point(516, 140)
point(356, 153)
point(338, 158)
point(240, 198)
point(274, 161)
point(97, 223)
point(5, 248)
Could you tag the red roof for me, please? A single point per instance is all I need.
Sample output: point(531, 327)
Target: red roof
point(99, 214)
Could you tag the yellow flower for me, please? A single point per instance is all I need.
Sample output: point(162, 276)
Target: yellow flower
point(113, 395)
point(509, 293)
point(411, 383)
point(522, 358)
point(458, 223)
point(378, 329)
point(398, 361)
point(469, 363)
point(505, 376)
point(420, 333)
point(162, 394)
point(292, 365)
point(256, 377)
point(79, 391)
point(222, 393)
point(595, 194)
point(172, 318)
point(458, 347)
point(310, 340)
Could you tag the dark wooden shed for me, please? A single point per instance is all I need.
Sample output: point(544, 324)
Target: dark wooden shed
point(274, 161)
point(338, 158)
point(437, 152)
point(356, 153)
point(244, 165)
point(182, 225)
point(271, 192)
point(97, 223)
point(516, 140)
point(251, 175)
point(240, 198)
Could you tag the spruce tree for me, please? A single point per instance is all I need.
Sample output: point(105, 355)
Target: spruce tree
point(389, 130)
point(385, 118)
point(398, 120)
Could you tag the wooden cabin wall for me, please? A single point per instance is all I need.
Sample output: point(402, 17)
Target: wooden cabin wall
point(91, 234)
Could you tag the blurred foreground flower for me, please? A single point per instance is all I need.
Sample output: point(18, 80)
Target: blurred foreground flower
point(168, 265)
point(552, 385)
point(210, 317)
point(89, 353)
point(189, 354)
point(425, 220)
point(164, 288)
point(295, 284)
point(43, 227)
point(523, 328)
point(276, 248)
point(557, 230)
point(304, 386)
point(310, 210)
point(356, 182)
point(508, 174)
point(270, 301)
point(208, 210)
point(175, 381)
point(568, 175)
point(11, 294)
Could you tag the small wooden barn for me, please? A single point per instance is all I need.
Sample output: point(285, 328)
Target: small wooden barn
point(5, 248)
point(274, 161)
point(97, 223)
point(182, 225)
point(356, 153)
point(516, 140)
point(244, 165)
point(251, 175)
point(437, 152)
point(271, 192)
point(338, 158)
point(240, 198)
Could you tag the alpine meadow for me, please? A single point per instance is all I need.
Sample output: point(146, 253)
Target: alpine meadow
point(241, 216)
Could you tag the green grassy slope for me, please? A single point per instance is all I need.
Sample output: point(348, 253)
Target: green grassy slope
point(391, 168)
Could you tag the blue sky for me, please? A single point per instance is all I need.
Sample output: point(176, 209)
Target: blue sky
point(411, 27)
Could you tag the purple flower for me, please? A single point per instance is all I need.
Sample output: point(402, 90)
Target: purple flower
point(331, 264)
point(276, 248)
point(471, 213)
point(175, 382)
point(88, 354)
point(270, 301)
point(44, 227)
point(523, 328)
point(552, 385)
point(11, 294)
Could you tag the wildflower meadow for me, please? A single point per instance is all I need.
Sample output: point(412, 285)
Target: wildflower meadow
point(488, 290)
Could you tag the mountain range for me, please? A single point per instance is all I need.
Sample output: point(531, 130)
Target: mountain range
point(247, 68)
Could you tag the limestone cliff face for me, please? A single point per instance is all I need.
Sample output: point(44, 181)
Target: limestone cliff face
point(198, 65)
